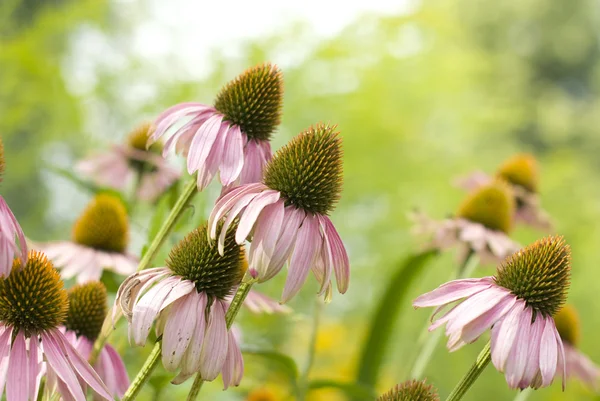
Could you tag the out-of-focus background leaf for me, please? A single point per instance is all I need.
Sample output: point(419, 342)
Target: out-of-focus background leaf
point(422, 93)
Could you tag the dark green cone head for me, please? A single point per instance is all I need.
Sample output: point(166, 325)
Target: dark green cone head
point(253, 101)
point(411, 390)
point(87, 309)
point(103, 225)
point(521, 169)
point(197, 259)
point(539, 274)
point(32, 297)
point(492, 206)
point(568, 325)
point(308, 170)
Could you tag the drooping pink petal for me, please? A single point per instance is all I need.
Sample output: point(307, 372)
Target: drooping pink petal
point(548, 354)
point(146, 309)
point(337, 252)
point(227, 202)
point(474, 329)
point(561, 367)
point(292, 219)
point(303, 257)
point(452, 291)
point(182, 288)
point(208, 169)
point(243, 201)
point(118, 368)
point(233, 368)
point(532, 366)
point(17, 383)
point(132, 287)
point(260, 303)
point(266, 234)
point(9, 231)
point(202, 143)
point(5, 344)
point(191, 360)
point(252, 212)
point(56, 358)
point(504, 334)
point(214, 348)
point(580, 366)
point(35, 370)
point(179, 329)
point(233, 156)
point(517, 360)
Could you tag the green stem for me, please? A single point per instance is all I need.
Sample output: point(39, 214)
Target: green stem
point(484, 357)
point(144, 374)
point(303, 381)
point(186, 196)
point(432, 340)
point(524, 394)
point(234, 308)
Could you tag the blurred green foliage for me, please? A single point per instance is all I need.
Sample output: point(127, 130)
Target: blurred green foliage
point(420, 99)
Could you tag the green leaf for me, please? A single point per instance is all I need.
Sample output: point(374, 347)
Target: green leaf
point(386, 315)
point(287, 364)
point(354, 390)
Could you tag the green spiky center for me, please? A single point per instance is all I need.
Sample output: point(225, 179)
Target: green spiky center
point(308, 170)
point(32, 297)
point(539, 274)
point(568, 325)
point(197, 259)
point(410, 391)
point(253, 101)
point(521, 170)
point(493, 206)
point(103, 225)
point(87, 309)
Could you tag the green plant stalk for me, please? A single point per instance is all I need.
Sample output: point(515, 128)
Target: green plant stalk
point(186, 196)
point(386, 315)
point(144, 374)
point(312, 348)
point(432, 340)
point(234, 308)
point(524, 394)
point(483, 359)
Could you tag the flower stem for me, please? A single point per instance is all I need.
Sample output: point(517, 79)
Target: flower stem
point(234, 308)
point(184, 199)
point(484, 357)
point(524, 394)
point(303, 381)
point(144, 374)
point(432, 340)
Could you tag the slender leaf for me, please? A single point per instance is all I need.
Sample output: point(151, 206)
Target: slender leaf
point(386, 314)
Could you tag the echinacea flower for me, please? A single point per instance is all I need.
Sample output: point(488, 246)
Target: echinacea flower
point(100, 238)
point(481, 225)
point(87, 310)
point(517, 304)
point(188, 298)
point(411, 390)
point(522, 172)
point(33, 305)
point(122, 165)
point(12, 239)
point(288, 214)
point(232, 136)
point(578, 364)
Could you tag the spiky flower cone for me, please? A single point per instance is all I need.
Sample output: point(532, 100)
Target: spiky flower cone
point(411, 390)
point(518, 304)
point(100, 238)
point(492, 206)
point(287, 213)
point(231, 137)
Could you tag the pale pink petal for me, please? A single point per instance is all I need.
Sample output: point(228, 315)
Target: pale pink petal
point(202, 143)
point(214, 348)
point(452, 291)
point(178, 331)
point(266, 234)
point(260, 303)
point(233, 156)
point(191, 359)
point(208, 169)
point(5, 344)
point(580, 366)
point(227, 201)
point(35, 370)
point(339, 257)
point(303, 257)
point(17, 382)
point(254, 161)
point(252, 212)
point(59, 363)
point(504, 335)
point(292, 220)
point(561, 367)
point(181, 289)
point(532, 367)
point(243, 201)
point(476, 327)
point(548, 354)
point(517, 360)
point(118, 368)
point(233, 368)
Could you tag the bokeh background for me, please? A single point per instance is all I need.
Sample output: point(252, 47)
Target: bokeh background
point(422, 92)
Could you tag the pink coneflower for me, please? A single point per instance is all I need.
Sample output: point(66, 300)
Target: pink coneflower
point(189, 299)
point(518, 305)
point(87, 310)
point(100, 238)
point(411, 390)
point(287, 214)
point(232, 136)
point(33, 304)
point(522, 172)
point(578, 364)
point(122, 165)
point(481, 225)
point(12, 239)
